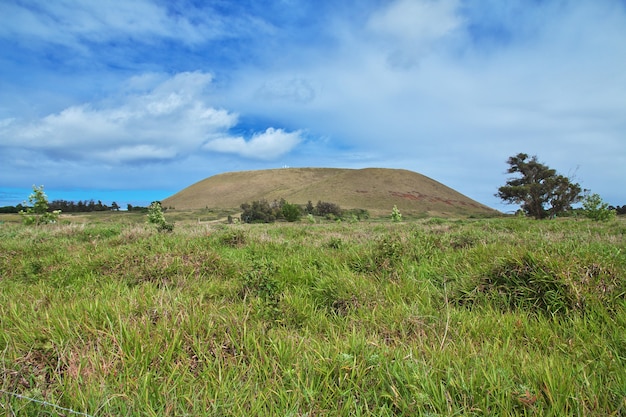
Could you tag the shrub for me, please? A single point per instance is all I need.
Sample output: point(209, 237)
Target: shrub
point(291, 212)
point(38, 212)
point(156, 217)
point(259, 211)
point(596, 209)
point(326, 209)
point(357, 214)
point(396, 217)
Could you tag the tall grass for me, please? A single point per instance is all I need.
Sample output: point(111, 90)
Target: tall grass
point(433, 317)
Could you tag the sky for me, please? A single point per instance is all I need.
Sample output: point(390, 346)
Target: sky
point(132, 101)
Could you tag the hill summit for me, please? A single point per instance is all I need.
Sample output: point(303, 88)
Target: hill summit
point(374, 189)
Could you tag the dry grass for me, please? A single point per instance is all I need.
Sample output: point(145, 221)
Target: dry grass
point(373, 189)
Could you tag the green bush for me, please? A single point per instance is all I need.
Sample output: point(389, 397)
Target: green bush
point(291, 212)
point(260, 211)
point(328, 210)
point(596, 209)
point(356, 214)
point(156, 217)
point(38, 212)
point(396, 216)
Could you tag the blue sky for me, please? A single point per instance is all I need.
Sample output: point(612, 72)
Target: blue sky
point(131, 101)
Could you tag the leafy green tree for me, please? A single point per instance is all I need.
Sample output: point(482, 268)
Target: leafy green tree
point(291, 212)
point(156, 217)
point(260, 211)
point(596, 209)
point(329, 210)
point(38, 211)
point(539, 190)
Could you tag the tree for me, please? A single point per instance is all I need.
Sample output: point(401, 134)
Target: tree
point(156, 217)
point(596, 209)
point(38, 211)
point(396, 216)
point(260, 211)
point(539, 190)
point(291, 212)
point(324, 208)
point(618, 209)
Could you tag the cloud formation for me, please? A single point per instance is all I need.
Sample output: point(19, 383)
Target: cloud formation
point(434, 87)
point(267, 145)
point(408, 28)
point(160, 122)
point(447, 88)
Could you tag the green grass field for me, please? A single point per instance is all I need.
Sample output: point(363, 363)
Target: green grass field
point(505, 317)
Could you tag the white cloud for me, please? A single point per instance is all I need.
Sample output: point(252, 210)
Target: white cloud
point(268, 145)
point(171, 119)
point(159, 120)
point(407, 29)
point(416, 20)
point(124, 154)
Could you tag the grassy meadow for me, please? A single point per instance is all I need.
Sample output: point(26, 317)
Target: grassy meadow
point(105, 316)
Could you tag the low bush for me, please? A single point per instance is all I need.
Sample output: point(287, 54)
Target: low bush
point(157, 218)
point(596, 209)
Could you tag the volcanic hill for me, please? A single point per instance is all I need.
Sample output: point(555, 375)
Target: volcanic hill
point(374, 189)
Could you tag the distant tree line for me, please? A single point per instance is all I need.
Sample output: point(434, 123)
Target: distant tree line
point(619, 209)
point(81, 206)
point(12, 209)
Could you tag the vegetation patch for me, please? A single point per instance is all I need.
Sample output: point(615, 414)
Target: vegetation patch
point(234, 238)
point(533, 284)
point(384, 258)
point(506, 316)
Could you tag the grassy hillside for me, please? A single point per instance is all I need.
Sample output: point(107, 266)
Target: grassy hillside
point(374, 189)
point(506, 317)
